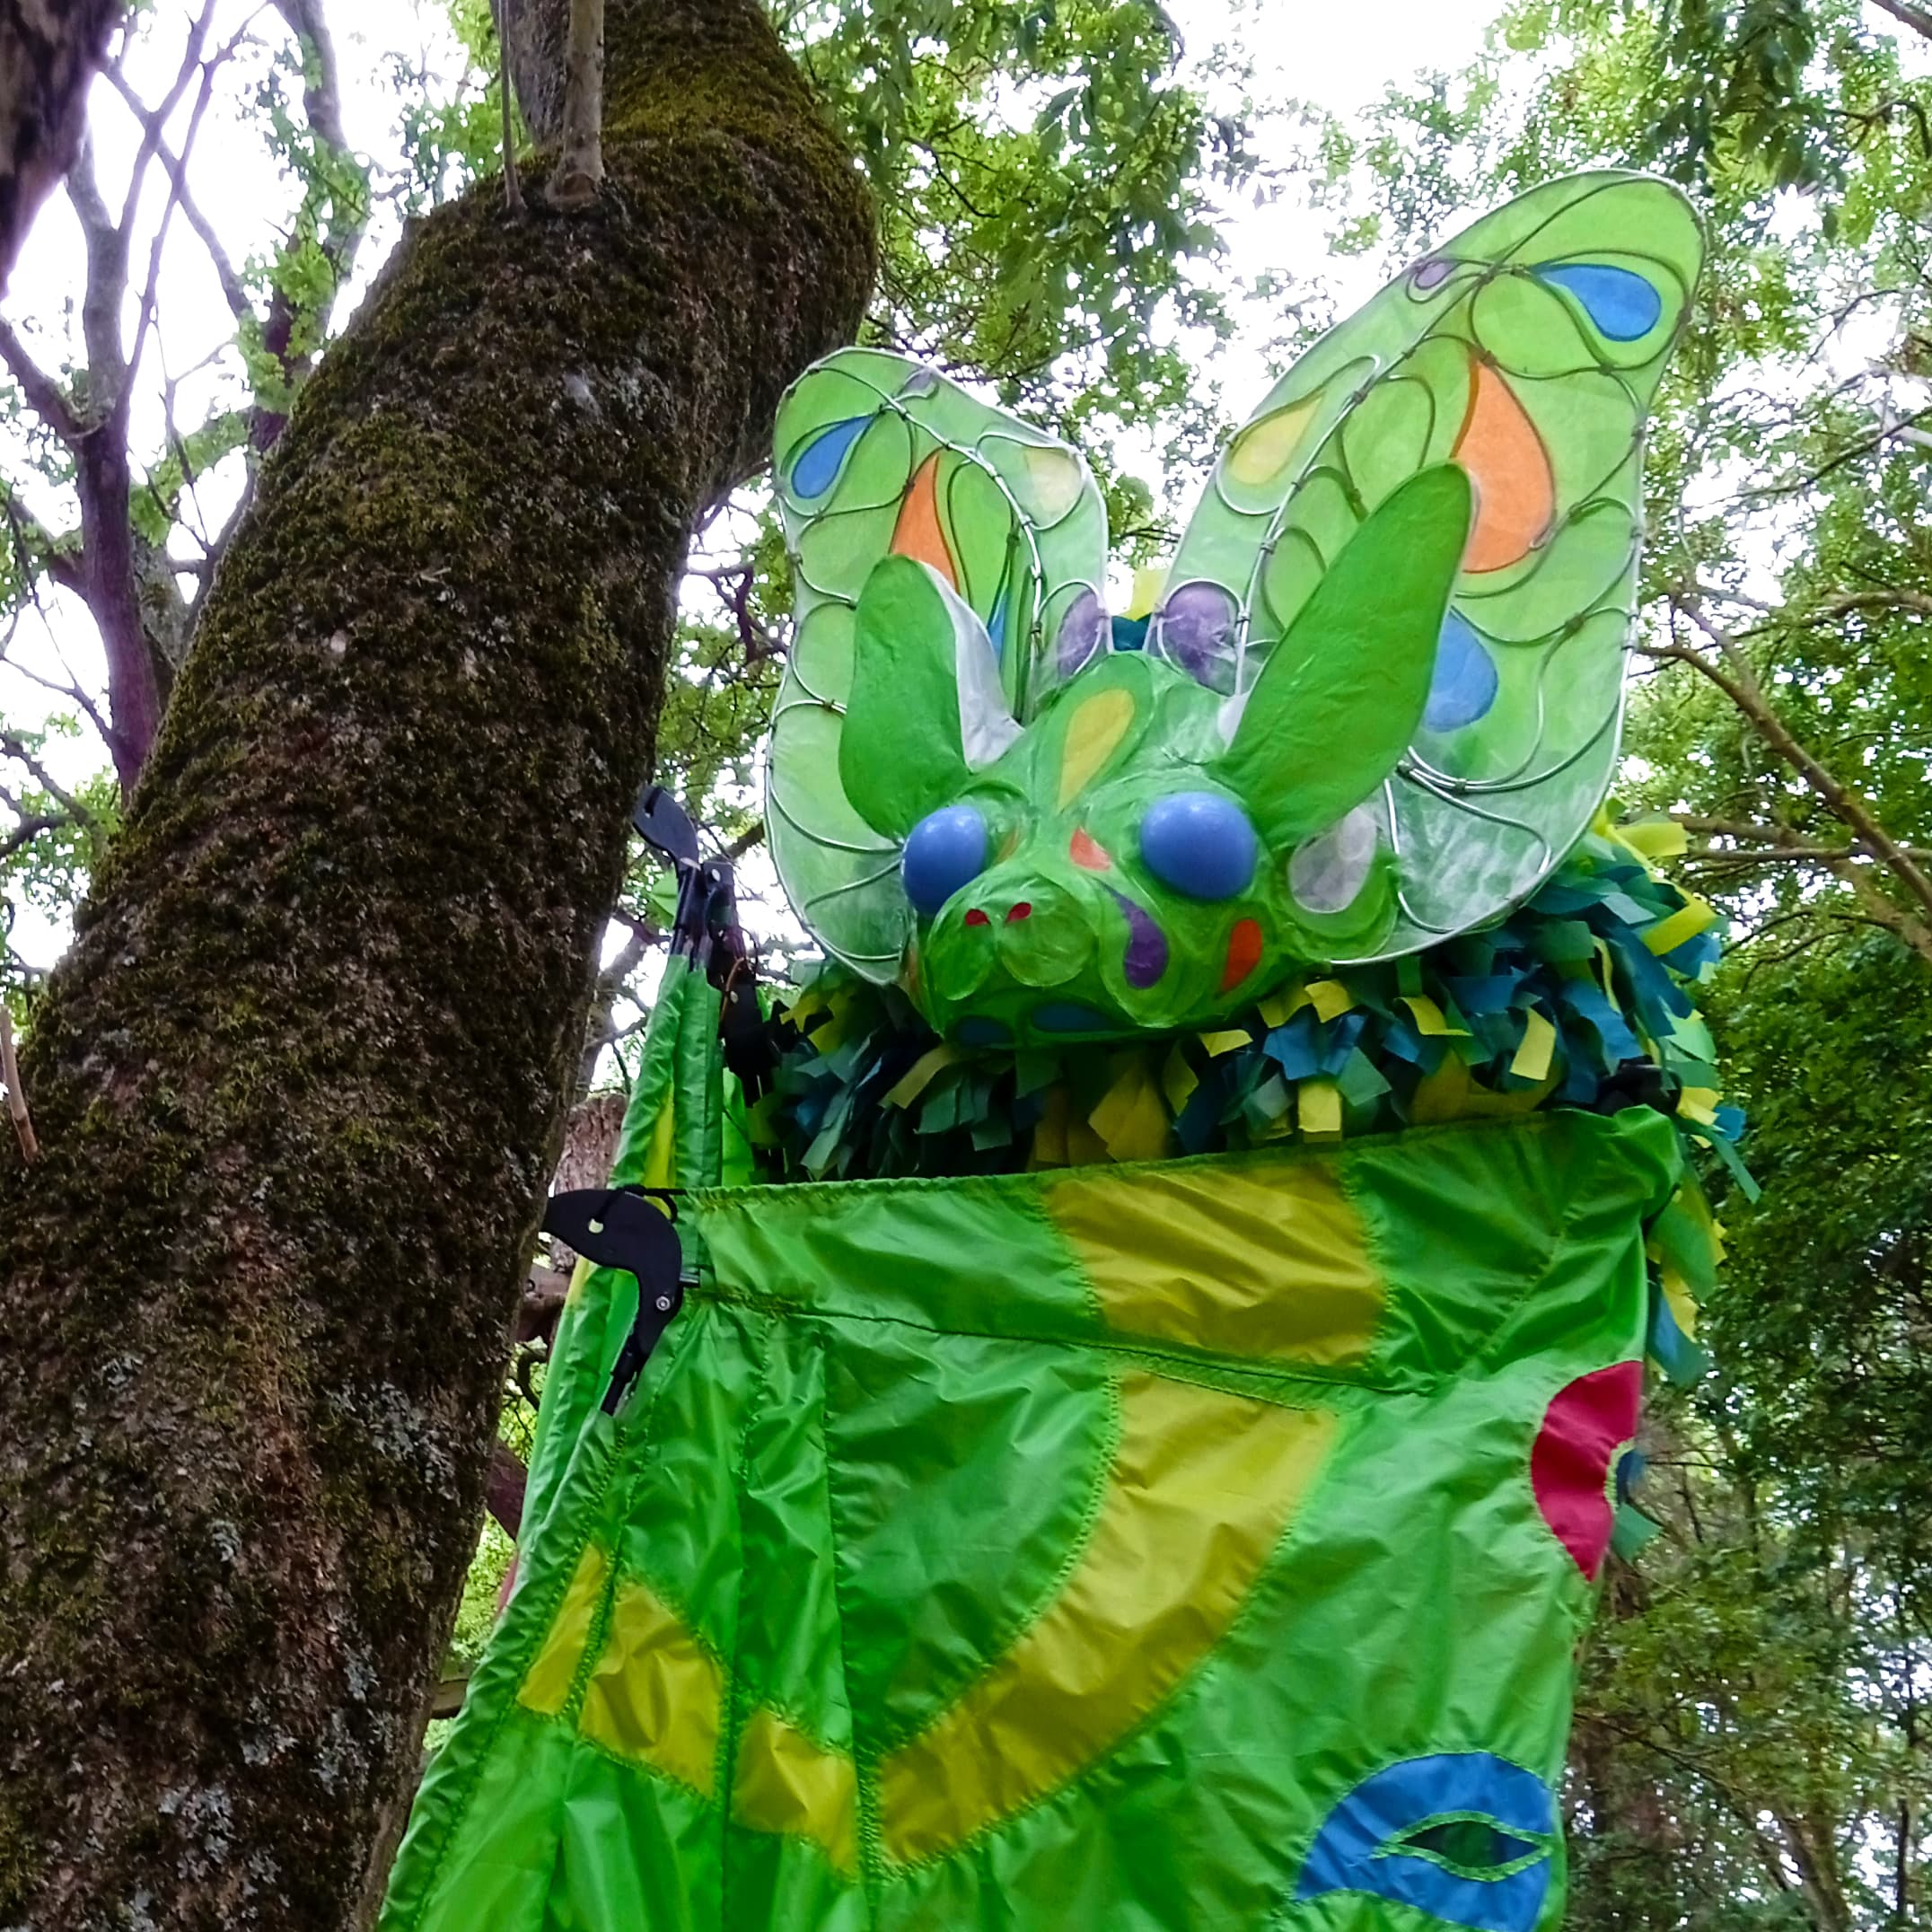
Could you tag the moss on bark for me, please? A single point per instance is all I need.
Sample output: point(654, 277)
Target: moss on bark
point(301, 1077)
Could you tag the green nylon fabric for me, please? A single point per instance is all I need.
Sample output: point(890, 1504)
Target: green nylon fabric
point(873, 1465)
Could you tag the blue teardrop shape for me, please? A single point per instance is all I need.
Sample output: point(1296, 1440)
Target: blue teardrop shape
point(1464, 685)
point(815, 468)
point(1622, 303)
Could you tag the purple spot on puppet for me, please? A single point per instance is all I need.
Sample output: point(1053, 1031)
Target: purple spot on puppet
point(1194, 629)
point(1146, 945)
point(1082, 633)
point(1430, 273)
point(922, 381)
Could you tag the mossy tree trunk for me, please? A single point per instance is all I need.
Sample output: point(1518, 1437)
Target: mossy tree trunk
point(301, 1078)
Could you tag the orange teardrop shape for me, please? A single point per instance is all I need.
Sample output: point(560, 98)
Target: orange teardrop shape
point(1243, 953)
point(1516, 489)
point(918, 532)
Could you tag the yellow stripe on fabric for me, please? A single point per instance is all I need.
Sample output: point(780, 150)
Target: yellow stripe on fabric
point(1652, 838)
point(545, 1687)
point(660, 1169)
point(1178, 1081)
point(1132, 1118)
point(788, 1784)
point(1318, 1108)
point(1227, 1040)
point(1149, 582)
point(920, 1074)
point(1686, 923)
point(657, 1695)
point(1330, 999)
point(1538, 1049)
point(1682, 1301)
point(1452, 1093)
point(1269, 1263)
point(1431, 1022)
point(1202, 1490)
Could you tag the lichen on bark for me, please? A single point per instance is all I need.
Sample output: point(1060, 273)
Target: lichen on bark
point(299, 1080)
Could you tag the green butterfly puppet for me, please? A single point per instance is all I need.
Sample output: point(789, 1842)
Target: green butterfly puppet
point(1377, 703)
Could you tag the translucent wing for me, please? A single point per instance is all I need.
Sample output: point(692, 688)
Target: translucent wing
point(1528, 350)
point(878, 455)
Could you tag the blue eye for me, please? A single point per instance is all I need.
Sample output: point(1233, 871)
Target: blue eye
point(1464, 1837)
point(946, 851)
point(1199, 843)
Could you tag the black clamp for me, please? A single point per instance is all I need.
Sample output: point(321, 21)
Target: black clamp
point(706, 931)
point(631, 1229)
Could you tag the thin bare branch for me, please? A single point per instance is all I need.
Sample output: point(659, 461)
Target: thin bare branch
point(1918, 18)
point(43, 395)
point(1735, 679)
point(175, 166)
point(16, 1095)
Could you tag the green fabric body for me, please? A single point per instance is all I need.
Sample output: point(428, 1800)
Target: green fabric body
point(1059, 1550)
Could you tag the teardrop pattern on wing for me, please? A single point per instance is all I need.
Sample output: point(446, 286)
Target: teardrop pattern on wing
point(1621, 304)
point(1465, 683)
point(918, 532)
point(1528, 349)
point(815, 468)
point(1515, 488)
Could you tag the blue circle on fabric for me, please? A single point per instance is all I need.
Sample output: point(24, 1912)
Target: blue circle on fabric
point(946, 851)
point(1464, 685)
point(1199, 843)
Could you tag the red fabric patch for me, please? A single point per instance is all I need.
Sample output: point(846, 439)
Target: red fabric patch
point(977, 917)
point(1086, 854)
point(1583, 1429)
point(1243, 953)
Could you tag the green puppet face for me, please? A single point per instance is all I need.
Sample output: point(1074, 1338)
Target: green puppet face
point(1389, 665)
point(1146, 854)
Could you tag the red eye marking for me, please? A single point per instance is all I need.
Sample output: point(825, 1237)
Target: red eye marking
point(1243, 953)
point(977, 917)
point(1086, 854)
point(1022, 909)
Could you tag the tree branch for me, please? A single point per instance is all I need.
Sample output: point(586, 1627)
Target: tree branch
point(1918, 18)
point(1735, 679)
point(48, 55)
point(43, 398)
